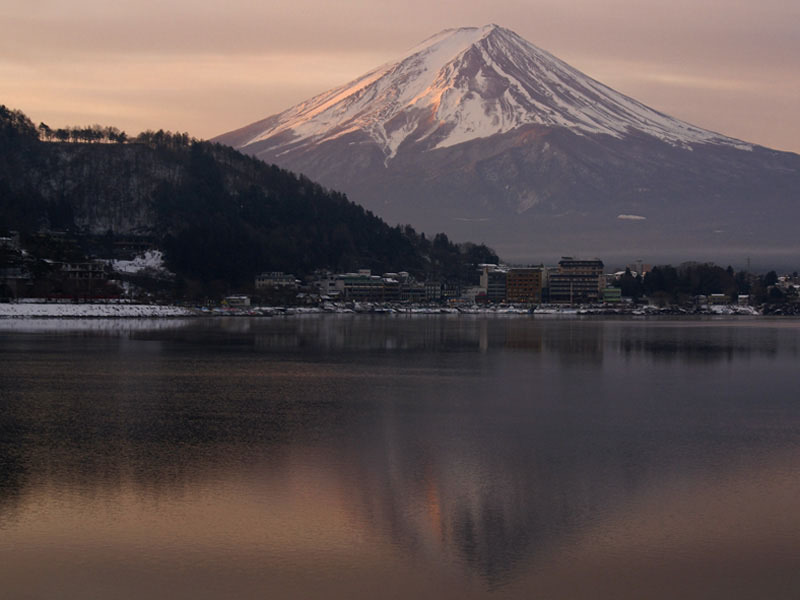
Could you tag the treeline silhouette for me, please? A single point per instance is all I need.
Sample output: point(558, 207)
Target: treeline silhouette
point(88, 134)
point(100, 134)
point(680, 284)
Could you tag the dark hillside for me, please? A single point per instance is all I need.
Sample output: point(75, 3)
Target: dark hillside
point(217, 214)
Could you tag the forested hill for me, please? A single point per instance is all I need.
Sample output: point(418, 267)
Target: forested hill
point(216, 213)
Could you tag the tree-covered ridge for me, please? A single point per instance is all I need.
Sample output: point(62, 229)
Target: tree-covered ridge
point(15, 122)
point(219, 215)
point(678, 285)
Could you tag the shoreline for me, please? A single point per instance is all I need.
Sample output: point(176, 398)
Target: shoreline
point(52, 310)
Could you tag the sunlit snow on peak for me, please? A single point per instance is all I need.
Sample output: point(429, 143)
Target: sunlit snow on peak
point(474, 82)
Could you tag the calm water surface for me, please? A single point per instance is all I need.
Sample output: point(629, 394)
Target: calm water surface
point(397, 457)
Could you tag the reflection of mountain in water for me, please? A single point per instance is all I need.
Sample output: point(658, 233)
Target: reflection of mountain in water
point(479, 442)
point(494, 493)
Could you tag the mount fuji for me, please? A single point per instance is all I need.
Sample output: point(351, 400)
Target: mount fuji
point(479, 133)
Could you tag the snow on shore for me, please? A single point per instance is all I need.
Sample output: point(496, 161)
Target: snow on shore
point(59, 310)
point(55, 310)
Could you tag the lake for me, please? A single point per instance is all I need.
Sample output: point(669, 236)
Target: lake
point(346, 456)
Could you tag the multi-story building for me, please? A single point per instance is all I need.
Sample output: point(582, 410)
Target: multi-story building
point(524, 285)
point(81, 279)
point(361, 286)
point(577, 281)
point(412, 292)
point(451, 291)
point(433, 291)
point(493, 282)
point(96, 270)
point(275, 279)
point(391, 288)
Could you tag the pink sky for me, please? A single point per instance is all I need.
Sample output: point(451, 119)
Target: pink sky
point(207, 67)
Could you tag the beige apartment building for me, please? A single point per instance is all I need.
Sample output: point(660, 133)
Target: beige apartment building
point(577, 281)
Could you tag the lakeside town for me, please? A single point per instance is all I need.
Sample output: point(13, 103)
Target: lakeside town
point(139, 287)
point(574, 286)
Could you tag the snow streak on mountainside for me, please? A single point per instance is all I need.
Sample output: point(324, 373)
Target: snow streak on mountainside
point(463, 84)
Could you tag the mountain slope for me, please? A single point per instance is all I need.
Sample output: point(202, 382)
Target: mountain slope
point(221, 217)
point(480, 132)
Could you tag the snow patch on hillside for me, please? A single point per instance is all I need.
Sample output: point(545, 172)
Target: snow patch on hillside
point(151, 262)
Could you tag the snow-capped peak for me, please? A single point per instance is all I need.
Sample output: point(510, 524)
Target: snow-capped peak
point(468, 83)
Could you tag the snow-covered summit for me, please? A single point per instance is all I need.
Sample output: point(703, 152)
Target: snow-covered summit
point(462, 84)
